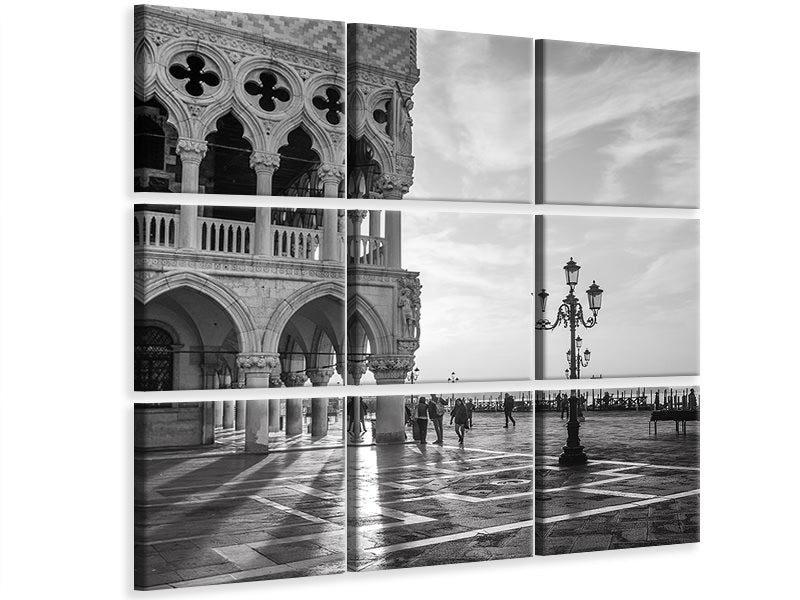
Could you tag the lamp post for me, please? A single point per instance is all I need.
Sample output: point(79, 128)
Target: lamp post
point(582, 361)
point(411, 378)
point(570, 315)
point(452, 379)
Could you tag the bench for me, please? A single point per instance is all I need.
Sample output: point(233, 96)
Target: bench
point(680, 416)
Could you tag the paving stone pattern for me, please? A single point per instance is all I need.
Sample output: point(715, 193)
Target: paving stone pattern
point(638, 489)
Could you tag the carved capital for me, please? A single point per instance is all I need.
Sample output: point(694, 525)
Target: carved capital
point(395, 185)
point(357, 217)
point(329, 172)
point(391, 368)
point(294, 379)
point(356, 369)
point(191, 150)
point(257, 361)
point(275, 380)
point(320, 377)
point(264, 161)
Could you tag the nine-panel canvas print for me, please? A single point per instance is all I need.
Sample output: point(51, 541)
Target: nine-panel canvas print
point(466, 306)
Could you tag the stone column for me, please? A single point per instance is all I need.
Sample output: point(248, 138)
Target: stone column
point(394, 187)
point(241, 414)
point(264, 164)
point(274, 414)
point(218, 413)
point(187, 228)
point(256, 367)
point(390, 410)
point(375, 223)
point(294, 406)
point(191, 153)
point(319, 406)
point(227, 414)
point(330, 175)
point(256, 435)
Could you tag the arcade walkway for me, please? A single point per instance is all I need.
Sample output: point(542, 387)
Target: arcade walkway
point(637, 490)
point(412, 505)
point(216, 516)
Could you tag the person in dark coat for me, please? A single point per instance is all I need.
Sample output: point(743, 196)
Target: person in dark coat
point(508, 408)
point(436, 416)
point(460, 415)
point(422, 420)
point(470, 406)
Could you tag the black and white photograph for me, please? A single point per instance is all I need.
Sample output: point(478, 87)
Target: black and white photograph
point(455, 486)
point(234, 297)
point(439, 115)
point(616, 297)
point(450, 301)
point(608, 477)
point(219, 497)
point(235, 103)
point(626, 119)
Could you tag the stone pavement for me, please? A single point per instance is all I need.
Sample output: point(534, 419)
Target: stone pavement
point(217, 518)
point(411, 505)
point(638, 489)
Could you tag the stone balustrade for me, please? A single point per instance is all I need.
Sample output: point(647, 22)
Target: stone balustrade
point(296, 242)
point(225, 235)
point(366, 250)
point(152, 228)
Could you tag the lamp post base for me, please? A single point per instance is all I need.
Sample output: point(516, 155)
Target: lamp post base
point(572, 455)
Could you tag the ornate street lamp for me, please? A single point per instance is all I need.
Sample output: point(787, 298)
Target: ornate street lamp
point(411, 378)
point(452, 379)
point(570, 315)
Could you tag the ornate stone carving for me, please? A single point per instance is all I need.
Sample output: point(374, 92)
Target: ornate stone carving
point(257, 361)
point(356, 369)
point(195, 110)
point(330, 172)
point(294, 379)
point(395, 184)
point(320, 377)
point(191, 150)
point(409, 303)
point(407, 346)
point(275, 380)
point(357, 217)
point(264, 161)
point(391, 367)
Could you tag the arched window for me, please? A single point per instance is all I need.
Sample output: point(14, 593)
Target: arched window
point(152, 358)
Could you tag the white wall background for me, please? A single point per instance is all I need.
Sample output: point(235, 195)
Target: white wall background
point(65, 459)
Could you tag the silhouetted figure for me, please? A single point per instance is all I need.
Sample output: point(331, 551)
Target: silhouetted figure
point(422, 420)
point(459, 414)
point(508, 408)
point(470, 408)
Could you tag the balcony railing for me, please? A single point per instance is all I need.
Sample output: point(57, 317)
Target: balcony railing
point(224, 235)
point(366, 250)
point(227, 236)
point(296, 242)
point(155, 229)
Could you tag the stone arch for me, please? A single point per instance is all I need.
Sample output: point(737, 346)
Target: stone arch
point(288, 307)
point(361, 310)
point(237, 310)
point(321, 141)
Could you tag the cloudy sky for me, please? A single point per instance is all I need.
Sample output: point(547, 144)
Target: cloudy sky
point(473, 117)
point(477, 273)
point(621, 125)
point(649, 271)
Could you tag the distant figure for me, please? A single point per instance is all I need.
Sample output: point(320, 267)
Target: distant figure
point(410, 422)
point(692, 400)
point(656, 400)
point(350, 415)
point(422, 420)
point(436, 415)
point(470, 408)
point(563, 405)
point(508, 408)
point(459, 414)
point(606, 400)
point(362, 413)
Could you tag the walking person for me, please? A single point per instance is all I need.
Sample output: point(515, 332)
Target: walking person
point(470, 409)
point(692, 400)
point(436, 416)
point(508, 408)
point(362, 414)
point(422, 420)
point(459, 414)
point(563, 405)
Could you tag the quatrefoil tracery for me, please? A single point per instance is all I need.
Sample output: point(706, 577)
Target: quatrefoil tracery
point(196, 75)
point(332, 104)
point(268, 90)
